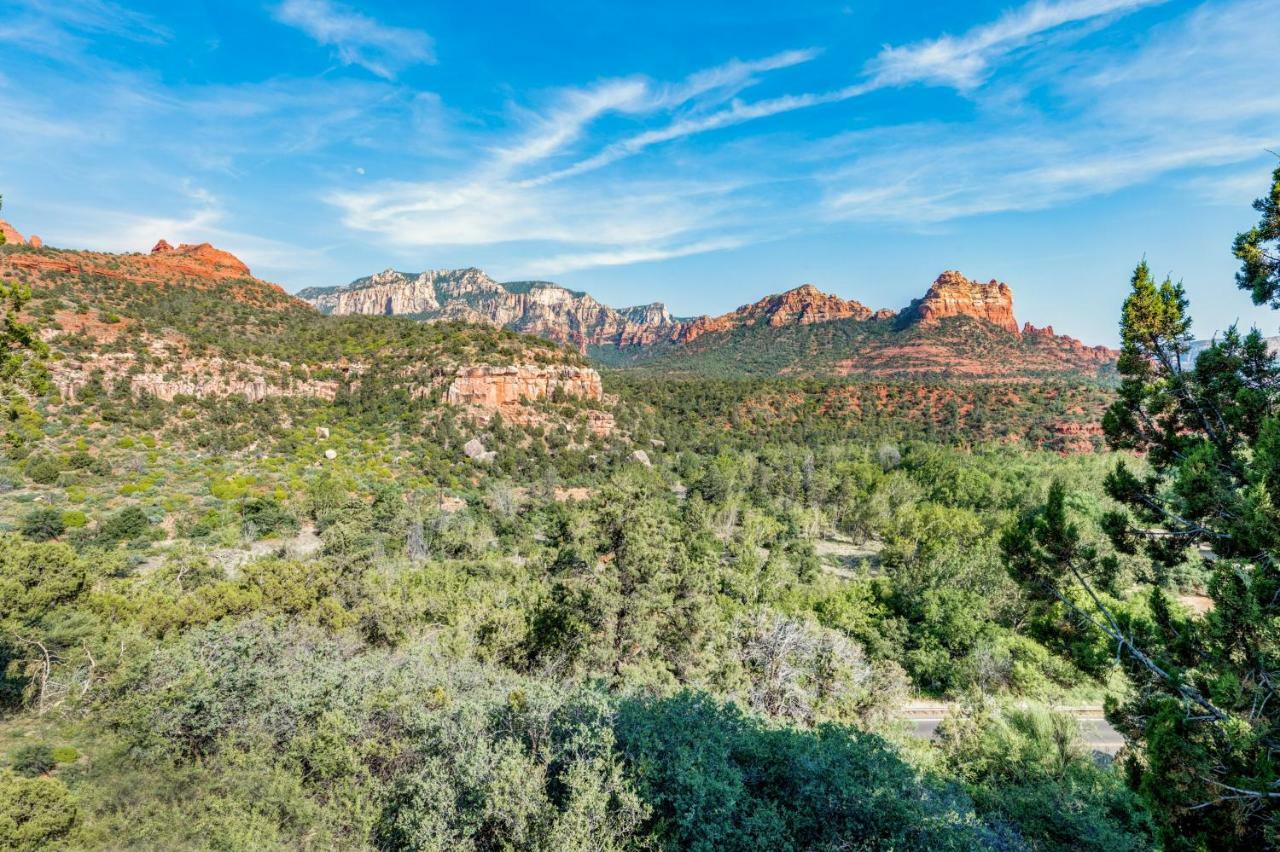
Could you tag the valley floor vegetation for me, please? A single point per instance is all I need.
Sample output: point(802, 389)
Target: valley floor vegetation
point(302, 624)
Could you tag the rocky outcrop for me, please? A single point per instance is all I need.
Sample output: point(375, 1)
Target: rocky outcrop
point(211, 378)
point(533, 307)
point(803, 305)
point(12, 236)
point(494, 387)
point(200, 260)
point(1069, 347)
point(507, 391)
point(953, 295)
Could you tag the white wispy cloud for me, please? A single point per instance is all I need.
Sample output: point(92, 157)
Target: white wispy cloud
point(572, 262)
point(495, 202)
point(357, 38)
point(63, 28)
point(965, 61)
point(1112, 130)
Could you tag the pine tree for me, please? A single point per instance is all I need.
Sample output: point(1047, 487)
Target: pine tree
point(1259, 250)
point(1203, 716)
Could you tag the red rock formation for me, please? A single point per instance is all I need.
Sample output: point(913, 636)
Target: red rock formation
point(953, 295)
point(1068, 347)
point(803, 305)
point(202, 261)
point(11, 235)
point(162, 247)
point(503, 392)
point(34, 241)
point(494, 387)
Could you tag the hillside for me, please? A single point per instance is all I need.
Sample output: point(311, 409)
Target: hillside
point(960, 329)
point(288, 563)
point(192, 323)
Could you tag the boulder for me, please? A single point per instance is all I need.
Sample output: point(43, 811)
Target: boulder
point(476, 451)
point(642, 457)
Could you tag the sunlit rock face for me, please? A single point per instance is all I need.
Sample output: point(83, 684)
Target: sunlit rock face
point(953, 295)
point(493, 387)
point(533, 307)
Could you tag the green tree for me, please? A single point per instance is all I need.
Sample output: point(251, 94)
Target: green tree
point(1203, 710)
point(1259, 250)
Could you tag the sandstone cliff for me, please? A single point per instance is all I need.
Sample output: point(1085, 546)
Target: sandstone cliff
point(953, 295)
point(566, 316)
point(533, 307)
point(491, 387)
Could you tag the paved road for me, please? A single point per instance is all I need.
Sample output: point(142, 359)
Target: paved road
point(1097, 734)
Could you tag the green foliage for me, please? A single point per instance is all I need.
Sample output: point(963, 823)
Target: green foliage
point(43, 524)
point(1201, 695)
point(1028, 773)
point(717, 779)
point(265, 516)
point(32, 760)
point(125, 525)
point(1258, 250)
point(35, 813)
point(43, 469)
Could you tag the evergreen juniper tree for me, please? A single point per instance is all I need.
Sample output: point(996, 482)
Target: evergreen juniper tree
point(1203, 716)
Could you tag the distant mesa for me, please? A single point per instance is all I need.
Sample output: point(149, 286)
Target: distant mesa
point(574, 318)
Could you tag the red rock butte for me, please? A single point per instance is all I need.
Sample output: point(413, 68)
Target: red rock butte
point(953, 295)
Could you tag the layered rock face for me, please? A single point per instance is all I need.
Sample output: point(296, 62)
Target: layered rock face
point(199, 378)
point(566, 316)
point(533, 307)
point(494, 387)
point(953, 295)
point(504, 392)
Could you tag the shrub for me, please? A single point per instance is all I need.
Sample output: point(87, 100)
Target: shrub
point(124, 525)
point(43, 469)
point(74, 519)
point(43, 524)
point(32, 760)
point(65, 754)
point(34, 812)
point(265, 515)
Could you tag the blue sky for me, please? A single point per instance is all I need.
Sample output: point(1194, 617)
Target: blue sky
point(699, 154)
